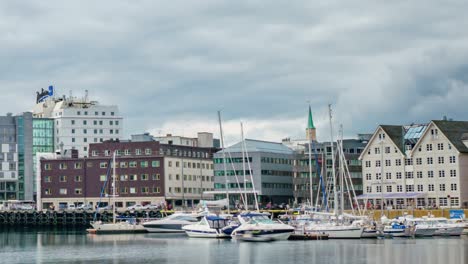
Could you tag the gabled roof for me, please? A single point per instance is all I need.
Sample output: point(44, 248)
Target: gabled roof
point(396, 134)
point(455, 131)
point(260, 146)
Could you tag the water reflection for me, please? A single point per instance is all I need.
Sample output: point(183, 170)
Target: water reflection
point(28, 246)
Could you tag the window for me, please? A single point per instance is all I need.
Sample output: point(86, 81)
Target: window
point(399, 188)
point(85, 131)
point(429, 147)
point(377, 150)
point(78, 178)
point(47, 166)
point(378, 176)
point(102, 178)
point(73, 140)
point(368, 164)
point(452, 159)
point(148, 151)
point(442, 187)
point(419, 174)
point(144, 177)
point(48, 191)
point(429, 161)
point(156, 177)
point(418, 161)
point(420, 188)
point(169, 164)
point(409, 161)
point(442, 201)
point(441, 174)
point(132, 190)
point(63, 166)
point(63, 178)
point(144, 164)
point(430, 187)
point(85, 140)
point(398, 162)
point(144, 189)
point(388, 175)
point(410, 188)
point(369, 189)
point(379, 189)
point(73, 131)
point(63, 191)
point(123, 177)
point(368, 176)
point(155, 163)
point(103, 113)
point(132, 164)
point(453, 187)
point(453, 173)
point(103, 165)
point(72, 122)
point(133, 177)
point(389, 189)
point(123, 164)
point(387, 150)
point(441, 160)
point(409, 175)
point(156, 190)
point(454, 201)
point(430, 174)
point(78, 165)
point(78, 191)
point(47, 179)
point(377, 163)
point(388, 163)
point(124, 190)
point(127, 152)
point(440, 146)
point(111, 122)
point(398, 175)
point(137, 151)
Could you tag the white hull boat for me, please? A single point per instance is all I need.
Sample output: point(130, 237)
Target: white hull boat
point(397, 230)
point(210, 227)
point(116, 228)
point(337, 231)
point(171, 224)
point(257, 227)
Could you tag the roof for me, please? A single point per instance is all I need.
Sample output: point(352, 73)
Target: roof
point(260, 146)
point(455, 131)
point(396, 135)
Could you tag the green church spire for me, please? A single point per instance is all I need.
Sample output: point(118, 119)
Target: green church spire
point(311, 121)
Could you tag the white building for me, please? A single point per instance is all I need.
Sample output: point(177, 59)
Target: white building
point(79, 122)
point(417, 165)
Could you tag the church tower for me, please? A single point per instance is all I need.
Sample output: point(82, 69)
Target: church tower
point(311, 133)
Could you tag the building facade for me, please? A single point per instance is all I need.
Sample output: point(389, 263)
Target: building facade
point(80, 122)
point(269, 163)
point(139, 176)
point(417, 165)
point(16, 175)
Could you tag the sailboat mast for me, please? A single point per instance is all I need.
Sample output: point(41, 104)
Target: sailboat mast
point(342, 161)
point(224, 161)
point(335, 193)
point(250, 171)
point(246, 202)
point(113, 189)
point(310, 174)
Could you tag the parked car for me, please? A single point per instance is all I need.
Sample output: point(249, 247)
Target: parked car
point(103, 207)
point(135, 207)
point(84, 207)
point(151, 207)
point(25, 207)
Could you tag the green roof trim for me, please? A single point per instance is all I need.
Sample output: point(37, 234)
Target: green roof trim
point(310, 125)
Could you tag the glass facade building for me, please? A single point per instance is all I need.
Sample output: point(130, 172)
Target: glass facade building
point(43, 140)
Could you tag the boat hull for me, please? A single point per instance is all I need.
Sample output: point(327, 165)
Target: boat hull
point(99, 228)
point(449, 231)
point(339, 232)
point(424, 232)
point(262, 235)
point(162, 228)
point(205, 234)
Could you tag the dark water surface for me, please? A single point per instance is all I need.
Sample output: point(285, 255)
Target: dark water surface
point(49, 246)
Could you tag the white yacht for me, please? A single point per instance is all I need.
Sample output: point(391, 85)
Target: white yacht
point(447, 228)
point(210, 227)
point(259, 227)
point(335, 230)
point(172, 223)
point(396, 229)
point(128, 225)
point(421, 227)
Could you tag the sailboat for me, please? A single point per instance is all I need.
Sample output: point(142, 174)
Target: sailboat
point(124, 225)
point(333, 224)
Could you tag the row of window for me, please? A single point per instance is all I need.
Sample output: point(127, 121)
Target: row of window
point(96, 122)
point(410, 188)
point(276, 161)
point(410, 175)
point(96, 113)
point(431, 201)
point(122, 190)
point(102, 178)
point(409, 161)
point(233, 185)
point(191, 165)
point(277, 185)
point(192, 177)
point(232, 160)
point(95, 131)
point(189, 190)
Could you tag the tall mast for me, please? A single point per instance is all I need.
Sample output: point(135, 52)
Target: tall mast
point(335, 193)
point(310, 174)
point(246, 203)
point(113, 189)
point(342, 161)
point(250, 171)
point(224, 161)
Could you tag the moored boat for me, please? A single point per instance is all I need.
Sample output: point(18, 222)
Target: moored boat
point(210, 227)
point(259, 227)
point(171, 224)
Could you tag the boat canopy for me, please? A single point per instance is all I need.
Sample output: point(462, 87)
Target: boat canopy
point(390, 195)
point(215, 218)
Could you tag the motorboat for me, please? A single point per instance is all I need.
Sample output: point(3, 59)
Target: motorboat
point(259, 227)
point(336, 230)
point(447, 228)
point(210, 227)
point(172, 223)
point(397, 229)
point(123, 225)
point(421, 227)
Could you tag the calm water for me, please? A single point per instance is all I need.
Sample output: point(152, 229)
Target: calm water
point(33, 246)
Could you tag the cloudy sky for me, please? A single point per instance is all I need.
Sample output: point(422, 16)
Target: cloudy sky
point(170, 65)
